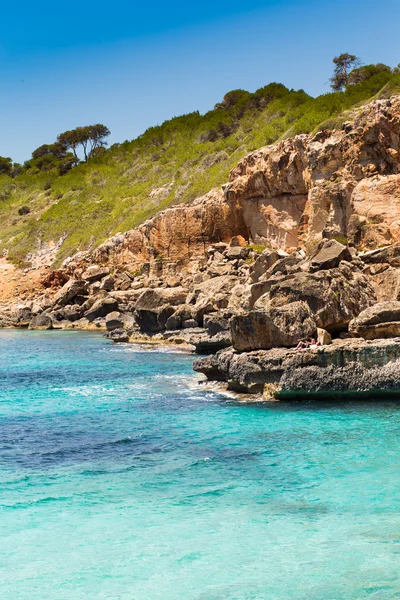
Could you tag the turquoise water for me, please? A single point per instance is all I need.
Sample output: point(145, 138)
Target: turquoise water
point(120, 479)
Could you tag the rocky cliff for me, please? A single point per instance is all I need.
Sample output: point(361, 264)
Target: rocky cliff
point(293, 194)
point(303, 238)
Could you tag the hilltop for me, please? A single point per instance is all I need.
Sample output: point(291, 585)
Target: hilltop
point(46, 217)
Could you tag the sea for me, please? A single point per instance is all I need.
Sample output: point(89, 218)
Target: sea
point(122, 478)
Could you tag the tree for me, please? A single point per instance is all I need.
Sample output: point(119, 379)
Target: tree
point(57, 150)
point(52, 156)
point(344, 64)
point(90, 138)
point(366, 72)
point(6, 166)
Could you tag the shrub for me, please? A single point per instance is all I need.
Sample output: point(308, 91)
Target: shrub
point(24, 210)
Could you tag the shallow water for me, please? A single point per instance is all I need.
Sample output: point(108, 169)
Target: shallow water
point(120, 479)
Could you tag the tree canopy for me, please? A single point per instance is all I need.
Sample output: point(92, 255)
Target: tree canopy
point(366, 72)
point(6, 165)
point(63, 154)
point(344, 64)
point(89, 138)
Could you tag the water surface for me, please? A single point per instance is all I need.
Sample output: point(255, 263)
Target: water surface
point(120, 479)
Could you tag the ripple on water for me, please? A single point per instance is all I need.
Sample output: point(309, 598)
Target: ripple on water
point(120, 478)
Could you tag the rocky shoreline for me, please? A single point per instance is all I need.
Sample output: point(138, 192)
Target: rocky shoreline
point(302, 242)
point(345, 369)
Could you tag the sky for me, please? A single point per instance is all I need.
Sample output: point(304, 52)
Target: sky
point(132, 65)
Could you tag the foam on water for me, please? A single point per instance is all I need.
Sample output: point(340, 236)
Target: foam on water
point(119, 479)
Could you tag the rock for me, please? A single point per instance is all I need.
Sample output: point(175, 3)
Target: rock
point(387, 285)
point(190, 324)
point(185, 312)
point(236, 252)
point(42, 321)
point(122, 281)
point(345, 369)
point(101, 308)
point(173, 322)
point(118, 335)
point(114, 321)
point(330, 253)
point(262, 263)
point(217, 322)
point(72, 312)
point(154, 319)
point(237, 241)
point(334, 297)
point(154, 298)
point(323, 337)
point(216, 291)
point(54, 279)
point(69, 291)
point(218, 270)
point(23, 315)
point(207, 344)
point(283, 265)
point(388, 255)
point(379, 321)
point(274, 327)
point(107, 283)
point(95, 273)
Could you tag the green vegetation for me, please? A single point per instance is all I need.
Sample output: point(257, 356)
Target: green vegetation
point(176, 162)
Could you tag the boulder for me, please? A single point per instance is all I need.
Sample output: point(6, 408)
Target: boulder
point(54, 279)
point(107, 283)
point(122, 281)
point(154, 298)
point(190, 324)
point(389, 254)
point(236, 252)
point(335, 297)
point(95, 273)
point(23, 316)
point(114, 321)
point(273, 327)
point(186, 312)
point(216, 291)
point(101, 308)
point(237, 241)
point(284, 265)
point(209, 344)
point(69, 291)
point(379, 321)
point(42, 322)
point(118, 335)
point(72, 312)
point(329, 254)
point(173, 322)
point(217, 322)
point(153, 319)
point(262, 263)
point(323, 337)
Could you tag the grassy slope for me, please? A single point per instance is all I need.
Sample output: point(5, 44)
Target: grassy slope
point(187, 156)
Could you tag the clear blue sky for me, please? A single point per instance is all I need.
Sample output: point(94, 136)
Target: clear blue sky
point(131, 64)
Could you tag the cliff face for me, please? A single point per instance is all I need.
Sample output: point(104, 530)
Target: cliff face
point(342, 184)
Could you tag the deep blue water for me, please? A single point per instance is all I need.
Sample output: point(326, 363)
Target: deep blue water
point(121, 479)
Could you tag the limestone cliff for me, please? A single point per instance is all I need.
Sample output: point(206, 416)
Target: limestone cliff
point(342, 184)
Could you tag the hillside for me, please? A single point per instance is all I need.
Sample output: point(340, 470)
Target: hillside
point(169, 164)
